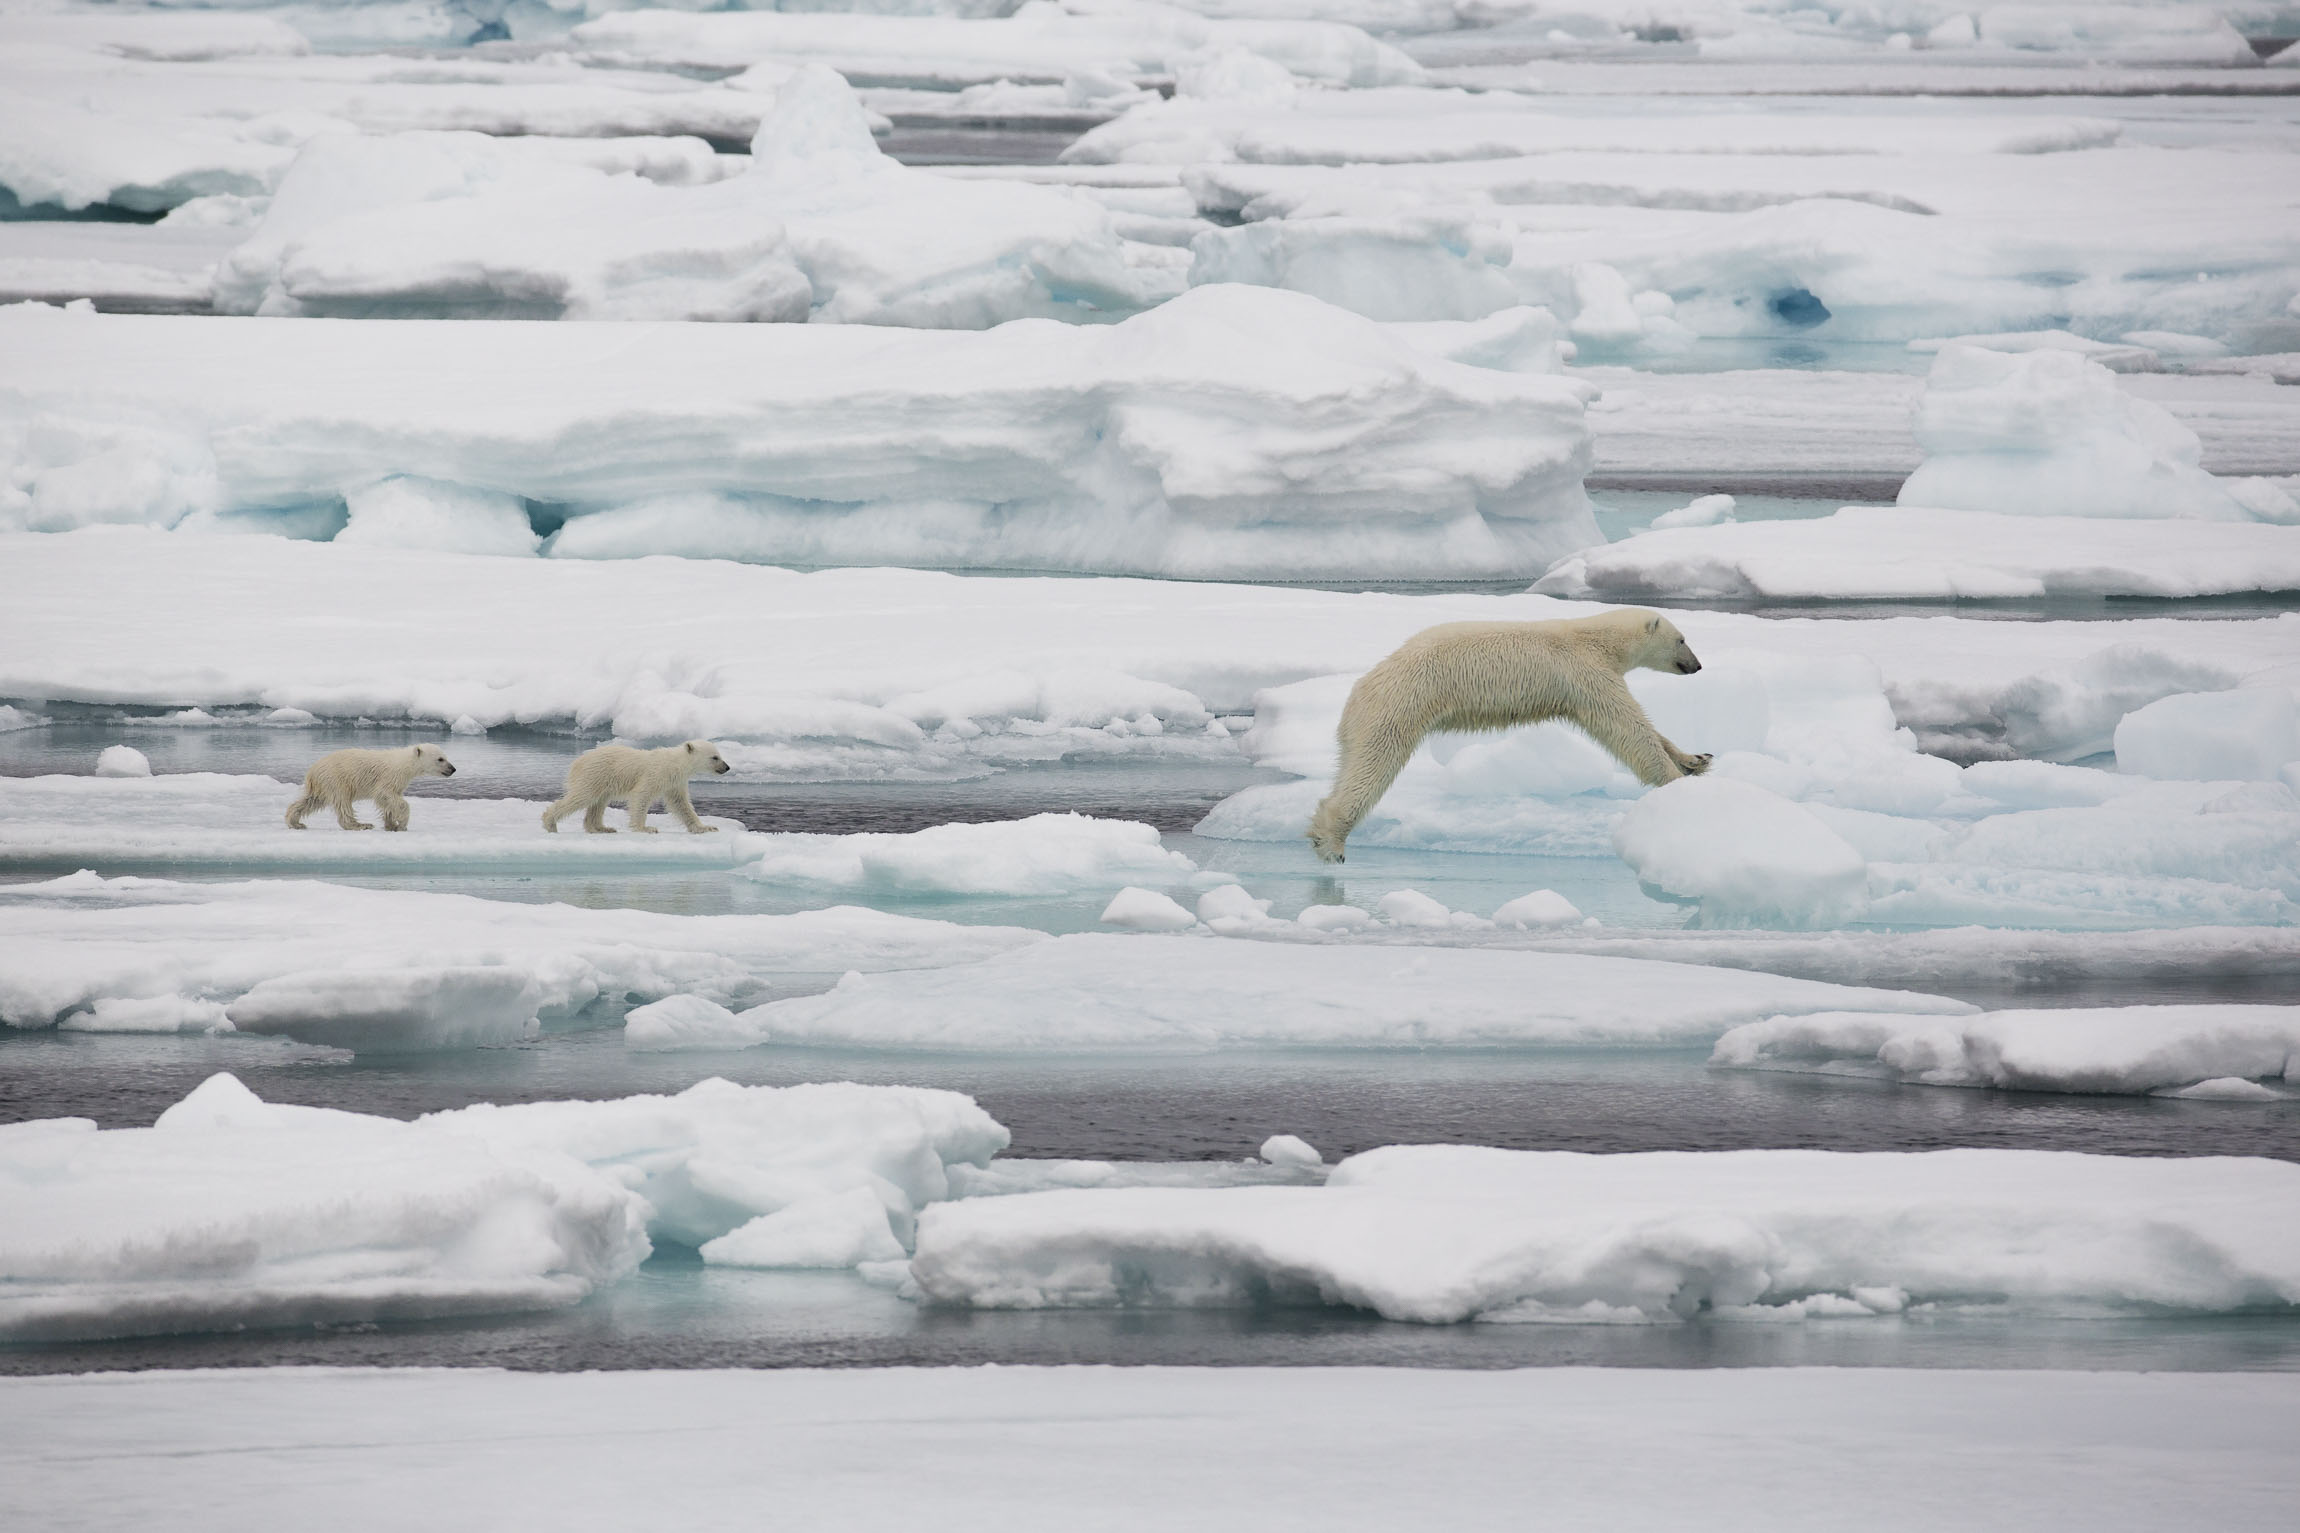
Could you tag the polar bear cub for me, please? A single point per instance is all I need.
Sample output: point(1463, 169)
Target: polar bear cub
point(340, 779)
point(599, 777)
point(1470, 676)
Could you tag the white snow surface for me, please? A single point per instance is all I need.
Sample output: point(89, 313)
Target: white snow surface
point(1748, 856)
point(819, 224)
point(229, 1212)
point(1914, 551)
point(2048, 433)
point(874, 671)
point(1097, 992)
point(2251, 735)
point(401, 1010)
point(1447, 1233)
point(292, 955)
point(1240, 1450)
point(2127, 1050)
point(1043, 854)
point(1230, 431)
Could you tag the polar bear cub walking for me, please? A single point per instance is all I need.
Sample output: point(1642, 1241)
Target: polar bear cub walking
point(638, 778)
point(340, 779)
point(1469, 676)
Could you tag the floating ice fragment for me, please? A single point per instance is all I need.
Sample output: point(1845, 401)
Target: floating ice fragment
point(2248, 734)
point(1335, 918)
point(1541, 908)
point(829, 1229)
point(685, 1022)
point(394, 1011)
point(1411, 907)
point(1708, 511)
point(1290, 1150)
point(123, 761)
point(1146, 910)
point(1230, 902)
point(1748, 856)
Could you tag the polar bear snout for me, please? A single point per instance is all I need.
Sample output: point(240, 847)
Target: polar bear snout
point(721, 768)
point(1686, 666)
point(447, 768)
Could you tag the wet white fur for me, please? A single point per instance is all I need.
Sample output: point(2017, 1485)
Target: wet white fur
point(1475, 676)
point(342, 778)
point(638, 778)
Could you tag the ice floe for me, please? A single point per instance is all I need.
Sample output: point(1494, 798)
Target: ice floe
point(1231, 431)
point(229, 1213)
point(1919, 552)
point(1094, 992)
point(1044, 854)
point(818, 224)
point(367, 968)
point(1440, 1234)
point(2126, 1050)
point(2251, 734)
point(1749, 857)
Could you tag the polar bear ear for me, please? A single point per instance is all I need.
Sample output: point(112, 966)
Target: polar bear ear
point(690, 747)
point(1653, 625)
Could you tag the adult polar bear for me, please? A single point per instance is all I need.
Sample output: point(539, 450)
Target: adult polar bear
point(1468, 676)
point(606, 773)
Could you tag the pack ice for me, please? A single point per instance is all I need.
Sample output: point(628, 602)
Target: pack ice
point(229, 1212)
point(1443, 1233)
point(819, 225)
point(2208, 1052)
point(1096, 992)
point(1232, 431)
point(394, 970)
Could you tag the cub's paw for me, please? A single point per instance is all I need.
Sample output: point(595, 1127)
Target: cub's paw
point(702, 830)
point(1693, 766)
point(646, 830)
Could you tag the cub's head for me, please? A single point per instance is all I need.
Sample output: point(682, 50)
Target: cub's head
point(431, 761)
point(706, 759)
point(1659, 646)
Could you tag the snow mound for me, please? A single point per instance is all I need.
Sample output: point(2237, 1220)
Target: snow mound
point(1233, 430)
point(2049, 433)
point(1439, 1234)
point(1749, 857)
point(122, 761)
point(1044, 854)
point(228, 1213)
point(1912, 552)
point(2251, 734)
point(684, 1022)
point(2128, 1050)
point(363, 967)
point(1146, 910)
point(707, 1162)
point(394, 1011)
point(824, 1229)
point(1095, 992)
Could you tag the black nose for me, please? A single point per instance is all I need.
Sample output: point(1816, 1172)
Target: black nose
point(1689, 667)
point(447, 770)
point(722, 768)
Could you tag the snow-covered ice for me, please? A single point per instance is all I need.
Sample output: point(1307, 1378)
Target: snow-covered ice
point(400, 1010)
point(819, 224)
point(1095, 992)
point(1444, 1233)
point(1749, 857)
point(229, 1212)
point(1044, 854)
point(1915, 551)
point(1238, 1449)
point(2122, 1049)
point(2249, 735)
point(312, 956)
point(1231, 431)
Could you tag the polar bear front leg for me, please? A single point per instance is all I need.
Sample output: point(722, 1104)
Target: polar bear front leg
point(1691, 765)
point(683, 806)
point(1614, 720)
point(394, 810)
point(345, 814)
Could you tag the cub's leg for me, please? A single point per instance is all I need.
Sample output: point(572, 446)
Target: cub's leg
point(557, 812)
point(595, 815)
point(637, 805)
point(678, 802)
point(345, 815)
point(303, 806)
point(394, 810)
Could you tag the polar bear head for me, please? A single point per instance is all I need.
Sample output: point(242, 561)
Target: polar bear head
point(706, 759)
point(430, 761)
point(1655, 643)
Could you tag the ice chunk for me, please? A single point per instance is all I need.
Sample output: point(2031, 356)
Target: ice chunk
point(1542, 908)
point(1202, 434)
point(1707, 511)
point(228, 1214)
point(1044, 854)
point(1749, 857)
point(149, 1014)
point(2049, 433)
point(1448, 1233)
point(716, 1156)
point(1335, 918)
point(1411, 907)
point(1095, 992)
point(1288, 1150)
point(122, 761)
point(75, 943)
point(1146, 910)
point(2131, 1050)
point(2226, 1088)
point(407, 512)
point(2131, 357)
point(827, 1229)
point(2248, 734)
point(684, 1022)
point(1912, 552)
point(394, 1011)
